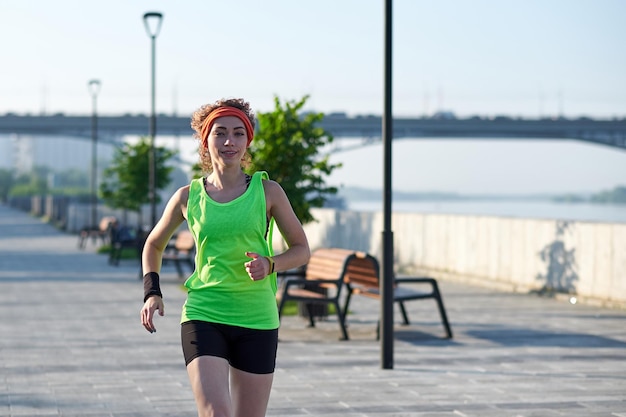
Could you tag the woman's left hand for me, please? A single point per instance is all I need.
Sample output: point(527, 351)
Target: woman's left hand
point(258, 268)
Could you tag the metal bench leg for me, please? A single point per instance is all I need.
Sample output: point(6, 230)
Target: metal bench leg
point(113, 255)
point(179, 268)
point(81, 240)
point(191, 266)
point(281, 304)
point(342, 321)
point(442, 311)
point(405, 316)
point(347, 304)
point(309, 309)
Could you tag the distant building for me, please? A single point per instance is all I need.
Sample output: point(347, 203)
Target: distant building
point(5, 151)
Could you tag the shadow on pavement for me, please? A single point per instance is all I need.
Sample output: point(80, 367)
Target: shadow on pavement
point(541, 338)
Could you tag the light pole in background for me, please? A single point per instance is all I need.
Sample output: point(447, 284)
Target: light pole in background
point(152, 22)
point(386, 282)
point(94, 89)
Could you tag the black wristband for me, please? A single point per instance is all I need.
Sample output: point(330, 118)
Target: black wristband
point(151, 285)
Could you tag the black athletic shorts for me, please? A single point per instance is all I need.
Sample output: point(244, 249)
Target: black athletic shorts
point(249, 350)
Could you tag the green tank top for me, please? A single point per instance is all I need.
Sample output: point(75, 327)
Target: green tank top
point(220, 290)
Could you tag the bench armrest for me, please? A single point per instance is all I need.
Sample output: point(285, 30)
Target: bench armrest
point(290, 273)
point(290, 281)
point(425, 280)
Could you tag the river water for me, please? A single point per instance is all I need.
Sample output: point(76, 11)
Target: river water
point(611, 213)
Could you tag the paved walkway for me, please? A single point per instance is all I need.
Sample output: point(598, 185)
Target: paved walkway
point(71, 345)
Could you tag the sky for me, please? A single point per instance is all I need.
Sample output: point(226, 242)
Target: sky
point(526, 58)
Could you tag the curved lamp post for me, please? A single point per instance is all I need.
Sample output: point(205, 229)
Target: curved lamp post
point(152, 22)
point(94, 89)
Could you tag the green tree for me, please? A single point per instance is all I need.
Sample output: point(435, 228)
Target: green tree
point(615, 196)
point(71, 182)
point(6, 183)
point(32, 183)
point(287, 146)
point(125, 182)
point(74, 178)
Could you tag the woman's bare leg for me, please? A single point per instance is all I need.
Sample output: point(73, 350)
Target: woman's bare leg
point(209, 381)
point(250, 393)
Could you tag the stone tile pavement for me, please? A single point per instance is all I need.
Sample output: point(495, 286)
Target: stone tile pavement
point(71, 345)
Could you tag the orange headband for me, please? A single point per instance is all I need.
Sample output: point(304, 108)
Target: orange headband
point(223, 112)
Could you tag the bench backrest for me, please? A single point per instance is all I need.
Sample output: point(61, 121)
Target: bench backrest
point(184, 241)
point(363, 270)
point(342, 264)
point(106, 223)
point(327, 263)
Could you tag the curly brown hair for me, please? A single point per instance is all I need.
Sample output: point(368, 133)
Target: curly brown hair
point(197, 120)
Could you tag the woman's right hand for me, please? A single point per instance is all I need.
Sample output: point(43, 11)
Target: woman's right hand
point(153, 303)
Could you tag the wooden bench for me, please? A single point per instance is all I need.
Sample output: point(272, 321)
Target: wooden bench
point(102, 231)
point(181, 251)
point(323, 279)
point(367, 283)
point(123, 237)
point(330, 269)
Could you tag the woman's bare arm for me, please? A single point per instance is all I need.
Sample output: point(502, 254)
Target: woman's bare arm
point(279, 207)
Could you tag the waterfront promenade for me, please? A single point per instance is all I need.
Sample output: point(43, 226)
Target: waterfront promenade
point(71, 345)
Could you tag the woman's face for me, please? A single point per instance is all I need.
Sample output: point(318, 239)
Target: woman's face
point(228, 141)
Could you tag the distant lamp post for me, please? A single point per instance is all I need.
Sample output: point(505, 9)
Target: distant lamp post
point(94, 89)
point(152, 22)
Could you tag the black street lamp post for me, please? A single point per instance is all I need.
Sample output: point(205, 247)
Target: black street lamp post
point(386, 283)
point(94, 89)
point(152, 22)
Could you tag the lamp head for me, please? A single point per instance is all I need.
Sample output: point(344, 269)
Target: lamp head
point(152, 22)
point(94, 87)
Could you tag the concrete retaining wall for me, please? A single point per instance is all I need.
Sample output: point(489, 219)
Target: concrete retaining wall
point(513, 254)
point(551, 256)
